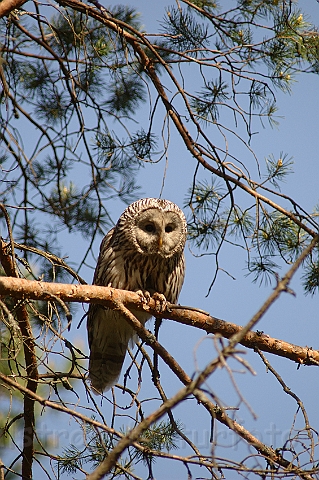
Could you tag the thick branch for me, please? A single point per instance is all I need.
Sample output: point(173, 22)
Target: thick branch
point(117, 299)
point(6, 6)
point(32, 290)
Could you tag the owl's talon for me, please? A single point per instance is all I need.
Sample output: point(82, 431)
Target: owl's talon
point(144, 296)
point(160, 302)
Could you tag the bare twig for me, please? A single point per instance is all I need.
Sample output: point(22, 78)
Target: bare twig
point(289, 392)
point(193, 388)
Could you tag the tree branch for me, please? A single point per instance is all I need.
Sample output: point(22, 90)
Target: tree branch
point(31, 369)
point(138, 41)
point(28, 289)
point(6, 6)
point(133, 436)
point(114, 298)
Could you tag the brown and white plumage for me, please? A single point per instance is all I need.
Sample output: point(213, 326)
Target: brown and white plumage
point(144, 251)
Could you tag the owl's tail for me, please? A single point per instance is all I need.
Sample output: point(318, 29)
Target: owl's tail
point(104, 369)
point(109, 341)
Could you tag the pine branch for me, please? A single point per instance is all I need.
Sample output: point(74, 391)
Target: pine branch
point(115, 299)
point(138, 42)
point(269, 453)
point(112, 298)
point(133, 436)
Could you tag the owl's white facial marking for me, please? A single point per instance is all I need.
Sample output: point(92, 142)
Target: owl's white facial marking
point(157, 231)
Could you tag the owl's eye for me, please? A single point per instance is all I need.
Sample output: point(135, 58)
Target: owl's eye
point(168, 228)
point(150, 227)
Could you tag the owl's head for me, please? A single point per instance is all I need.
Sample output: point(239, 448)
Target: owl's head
point(154, 226)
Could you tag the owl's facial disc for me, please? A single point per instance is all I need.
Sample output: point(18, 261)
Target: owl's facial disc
point(158, 232)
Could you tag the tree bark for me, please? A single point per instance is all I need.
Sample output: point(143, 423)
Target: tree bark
point(31, 369)
point(6, 6)
point(33, 290)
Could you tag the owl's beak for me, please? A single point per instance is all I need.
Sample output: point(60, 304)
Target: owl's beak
point(160, 242)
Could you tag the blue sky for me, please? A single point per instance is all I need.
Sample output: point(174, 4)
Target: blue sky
point(292, 318)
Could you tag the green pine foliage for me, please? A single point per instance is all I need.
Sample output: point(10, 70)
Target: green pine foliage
point(91, 69)
point(206, 224)
point(210, 100)
point(159, 437)
point(310, 278)
point(185, 33)
point(125, 93)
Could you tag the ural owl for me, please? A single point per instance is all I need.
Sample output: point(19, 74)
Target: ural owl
point(144, 251)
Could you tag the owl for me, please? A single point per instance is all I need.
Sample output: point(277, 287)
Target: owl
point(143, 252)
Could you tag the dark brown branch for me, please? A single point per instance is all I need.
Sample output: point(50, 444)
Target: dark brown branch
point(27, 289)
point(31, 369)
point(55, 406)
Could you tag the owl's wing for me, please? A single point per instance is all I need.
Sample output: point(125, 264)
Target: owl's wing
point(102, 274)
point(108, 332)
point(107, 340)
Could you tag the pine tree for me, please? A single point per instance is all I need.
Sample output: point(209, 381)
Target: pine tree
point(90, 103)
